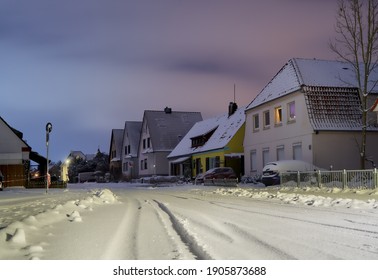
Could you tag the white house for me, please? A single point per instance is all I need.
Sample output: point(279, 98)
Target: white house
point(310, 110)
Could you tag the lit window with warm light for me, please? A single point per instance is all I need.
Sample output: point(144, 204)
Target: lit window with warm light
point(278, 115)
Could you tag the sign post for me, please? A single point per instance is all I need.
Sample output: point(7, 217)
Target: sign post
point(48, 180)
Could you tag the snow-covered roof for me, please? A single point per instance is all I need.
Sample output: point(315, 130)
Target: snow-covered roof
point(330, 90)
point(167, 128)
point(310, 72)
point(226, 127)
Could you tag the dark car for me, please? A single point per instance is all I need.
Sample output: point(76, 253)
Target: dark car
point(216, 173)
point(1, 181)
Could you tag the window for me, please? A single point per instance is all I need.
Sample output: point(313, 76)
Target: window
point(144, 143)
point(141, 165)
point(148, 142)
point(125, 166)
point(291, 111)
point(265, 155)
point(280, 152)
point(266, 119)
point(212, 162)
point(256, 122)
point(127, 150)
point(297, 151)
point(200, 140)
point(145, 164)
point(253, 160)
point(278, 115)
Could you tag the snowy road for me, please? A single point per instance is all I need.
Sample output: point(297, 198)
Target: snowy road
point(186, 223)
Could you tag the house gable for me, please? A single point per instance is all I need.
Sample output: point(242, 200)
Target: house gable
point(116, 145)
point(131, 138)
point(167, 128)
point(11, 139)
point(330, 89)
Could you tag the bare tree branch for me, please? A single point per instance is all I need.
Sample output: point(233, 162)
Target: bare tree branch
point(356, 43)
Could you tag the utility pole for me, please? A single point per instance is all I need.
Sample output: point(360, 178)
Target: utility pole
point(47, 178)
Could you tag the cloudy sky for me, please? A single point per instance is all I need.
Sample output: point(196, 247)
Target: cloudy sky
point(87, 66)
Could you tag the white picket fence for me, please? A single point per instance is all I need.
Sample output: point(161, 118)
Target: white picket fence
point(353, 179)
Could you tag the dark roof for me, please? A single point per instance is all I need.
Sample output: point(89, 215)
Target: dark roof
point(167, 128)
point(333, 108)
point(133, 129)
point(117, 136)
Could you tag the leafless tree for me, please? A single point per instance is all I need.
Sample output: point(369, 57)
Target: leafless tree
point(356, 42)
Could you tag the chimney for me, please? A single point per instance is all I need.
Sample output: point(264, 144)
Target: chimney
point(168, 110)
point(232, 108)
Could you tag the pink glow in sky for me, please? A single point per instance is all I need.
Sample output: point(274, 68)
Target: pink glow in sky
point(87, 66)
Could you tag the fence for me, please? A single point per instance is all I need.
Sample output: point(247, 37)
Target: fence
point(354, 179)
point(221, 182)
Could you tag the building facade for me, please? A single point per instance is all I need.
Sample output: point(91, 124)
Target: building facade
point(160, 133)
point(309, 111)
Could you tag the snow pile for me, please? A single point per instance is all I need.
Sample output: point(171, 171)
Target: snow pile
point(307, 199)
point(24, 236)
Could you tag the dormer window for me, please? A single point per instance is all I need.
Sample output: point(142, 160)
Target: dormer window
point(201, 140)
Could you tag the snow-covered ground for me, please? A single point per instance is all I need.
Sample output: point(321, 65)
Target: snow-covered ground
point(129, 222)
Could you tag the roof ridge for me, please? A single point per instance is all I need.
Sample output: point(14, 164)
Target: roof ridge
point(297, 71)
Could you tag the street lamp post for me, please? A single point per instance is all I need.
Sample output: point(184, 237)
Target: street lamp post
point(48, 130)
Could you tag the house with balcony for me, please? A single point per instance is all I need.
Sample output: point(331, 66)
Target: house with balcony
point(160, 133)
point(311, 111)
point(214, 142)
point(130, 144)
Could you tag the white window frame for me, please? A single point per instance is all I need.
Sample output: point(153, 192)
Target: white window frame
point(291, 116)
point(256, 120)
point(278, 116)
point(280, 150)
point(266, 120)
point(297, 147)
point(253, 160)
point(265, 156)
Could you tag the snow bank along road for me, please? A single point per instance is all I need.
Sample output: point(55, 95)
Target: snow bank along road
point(120, 221)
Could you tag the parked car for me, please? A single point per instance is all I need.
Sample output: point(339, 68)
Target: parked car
point(272, 170)
point(1, 181)
point(216, 173)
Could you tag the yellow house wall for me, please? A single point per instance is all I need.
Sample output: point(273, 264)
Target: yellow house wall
point(234, 146)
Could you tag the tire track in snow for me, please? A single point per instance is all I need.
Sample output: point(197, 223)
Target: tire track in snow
point(194, 248)
point(124, 239)
point(375, 233)
point(271, 249)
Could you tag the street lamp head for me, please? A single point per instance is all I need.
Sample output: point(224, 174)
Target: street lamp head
point(48, 127)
